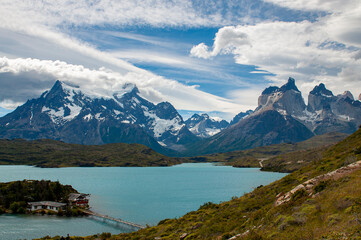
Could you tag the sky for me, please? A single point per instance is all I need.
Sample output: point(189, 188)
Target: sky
point(209, 56)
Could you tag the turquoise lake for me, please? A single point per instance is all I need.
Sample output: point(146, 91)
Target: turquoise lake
point(142, 195)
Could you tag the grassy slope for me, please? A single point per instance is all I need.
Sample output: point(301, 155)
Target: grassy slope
point(334, 212)
point(51, 153)
point(290, 162)
point(250, 158)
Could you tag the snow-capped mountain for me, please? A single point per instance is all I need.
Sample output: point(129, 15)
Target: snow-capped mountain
point(328, 113)
point(205, 126)
point(72, 115)
point(282, 116)
point(324, 112)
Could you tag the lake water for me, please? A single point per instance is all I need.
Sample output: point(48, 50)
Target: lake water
point(142, 195)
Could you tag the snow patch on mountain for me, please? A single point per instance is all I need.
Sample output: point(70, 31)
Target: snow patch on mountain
point(205, 126)
point(212, 131)
point(88, 117)
point(160, 126)
point(99, 117)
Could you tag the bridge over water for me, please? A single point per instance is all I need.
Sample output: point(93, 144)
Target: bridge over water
point(106, 217)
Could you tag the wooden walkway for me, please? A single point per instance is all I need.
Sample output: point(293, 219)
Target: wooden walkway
point(112, 219)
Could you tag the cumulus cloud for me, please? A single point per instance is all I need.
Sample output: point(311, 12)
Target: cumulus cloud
point(35, 76)
point(227, 39)
point(322, 51)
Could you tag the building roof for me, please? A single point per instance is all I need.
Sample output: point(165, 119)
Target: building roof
point(47, 203)
point(76, 196)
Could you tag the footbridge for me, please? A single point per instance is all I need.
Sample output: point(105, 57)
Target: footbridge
point(106, 217)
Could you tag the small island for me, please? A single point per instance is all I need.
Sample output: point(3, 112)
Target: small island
point(41, 197)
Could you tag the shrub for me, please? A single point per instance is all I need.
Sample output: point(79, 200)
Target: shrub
point(320, 187)
point(207, 205)
point(105, 235)
point(18, 207)
point(299, 194)
point(2, 210)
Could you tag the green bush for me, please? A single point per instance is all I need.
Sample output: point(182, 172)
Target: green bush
point(105, 235)
point(299, 194)
point(208, 205)
point(18, 207)
point(320, 187)
point(2, 210)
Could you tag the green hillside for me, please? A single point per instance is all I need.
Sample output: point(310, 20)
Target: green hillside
point(330, 208)
point(51, 153)
point(251, 157)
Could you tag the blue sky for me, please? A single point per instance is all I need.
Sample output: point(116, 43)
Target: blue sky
point(202, 56)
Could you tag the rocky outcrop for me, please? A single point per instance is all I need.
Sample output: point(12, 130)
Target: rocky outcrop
point(328, 113)
point(286, 99)
point(309, 185)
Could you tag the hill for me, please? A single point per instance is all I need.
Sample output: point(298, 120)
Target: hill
point(318, 201)
point(252, 157)
point(51, 153)
point(15, 195)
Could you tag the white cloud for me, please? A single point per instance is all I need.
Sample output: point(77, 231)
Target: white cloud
point(342, 22)
point(103, 83)
point(226, 40)
point(201, 51)
point(124, 12)
point(312, 52)
point(314, 5)
point(247, 97)
point(33, 44)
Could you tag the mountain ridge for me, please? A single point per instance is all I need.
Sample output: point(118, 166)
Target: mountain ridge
point(287, 119)
point(67, 113)
point(71, 114)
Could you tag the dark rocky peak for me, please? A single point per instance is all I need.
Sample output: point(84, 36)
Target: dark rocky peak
point(359, 97)
point(56, 89)
point(165, 110)
point(240, 116)
point(59, 95)
point(321, 90)
point(205, 116)
point(286, 99)
point(195, 117)
point(133, 87)
point(129, 90)
point(346, 94)
point(290, 85)
point(270, 90)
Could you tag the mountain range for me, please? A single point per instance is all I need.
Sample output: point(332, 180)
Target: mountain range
point(283, 116)
point(74, 115)
point(68, 114)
